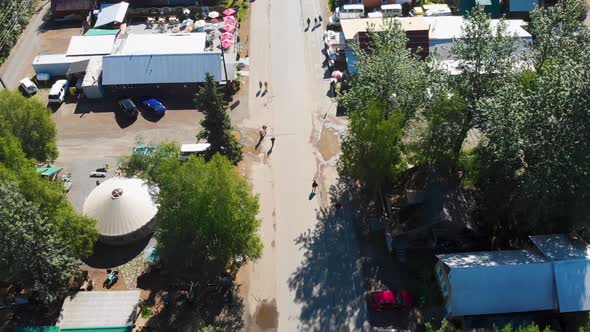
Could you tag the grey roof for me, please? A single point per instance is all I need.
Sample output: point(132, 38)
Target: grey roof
point(99, 309)
point(560, 247)
point(165, 43)
point(160, 68)
point(491, 258)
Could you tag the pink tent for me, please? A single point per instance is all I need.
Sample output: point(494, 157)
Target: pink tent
point(227, 43)
point(228, 27)
point(229, 20)
point(229, 11)
point(337, 74)
point(227, 35)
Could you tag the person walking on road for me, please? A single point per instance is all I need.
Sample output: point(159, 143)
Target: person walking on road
point(315, 21)
point(272, 142)
point(320, 18)
point(265, 86)
point(308, 22)
point(314, 186)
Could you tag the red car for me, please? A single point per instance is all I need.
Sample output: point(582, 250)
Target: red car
point(386, 299)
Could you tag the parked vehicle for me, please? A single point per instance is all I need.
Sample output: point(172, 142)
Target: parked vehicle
point(28, 87)
point(345, 12)
point(58, 92)
point(437, 10)
point(391, 10)
point(376, 13)
point(127, 107)
point(187, 150)
point(417, 11)
point(67, 181)
point(143, 150)
point(387, 299)
point(98, 173)
point(153, 105)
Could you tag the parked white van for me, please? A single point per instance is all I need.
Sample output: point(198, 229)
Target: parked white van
point(58, 92)
point(27, 86)
point(392, 10)
point(187, 150)
point(346, 12)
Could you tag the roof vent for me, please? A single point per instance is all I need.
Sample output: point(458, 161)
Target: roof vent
point(117, 193)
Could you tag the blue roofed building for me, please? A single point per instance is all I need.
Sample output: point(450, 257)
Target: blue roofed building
point(552, 275)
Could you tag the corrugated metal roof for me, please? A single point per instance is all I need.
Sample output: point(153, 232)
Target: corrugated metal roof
point(91, 45)
point(183, 43)
point(99, 309)
point(502, 288)
point(111, 13)
point(57, 58)
point(561, 246)
point(352, 26)
point(491, 258)
point(160, 68)
point(572, 280)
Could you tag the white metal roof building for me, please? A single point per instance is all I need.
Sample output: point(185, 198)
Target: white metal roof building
point(111, 13)
point(161, 59)
point(124, 209)
point(99, 309)
point(91, 45)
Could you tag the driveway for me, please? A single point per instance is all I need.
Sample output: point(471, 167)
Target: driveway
point(309, 276)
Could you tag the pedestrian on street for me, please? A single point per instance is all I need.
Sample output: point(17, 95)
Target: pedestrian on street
point(265, 86)
point(314, 186)
point(308, 22)
point(320, 18)
point(97, 183)
point(272, 141)
point(260, 85)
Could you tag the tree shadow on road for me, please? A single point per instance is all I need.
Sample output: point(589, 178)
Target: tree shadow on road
point(329, 282)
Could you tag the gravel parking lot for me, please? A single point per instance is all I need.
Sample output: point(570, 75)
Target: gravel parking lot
point(89, 135)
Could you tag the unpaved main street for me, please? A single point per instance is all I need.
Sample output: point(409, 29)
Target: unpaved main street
point(309, 277)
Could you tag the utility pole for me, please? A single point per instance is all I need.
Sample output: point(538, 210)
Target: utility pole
point(4, 85)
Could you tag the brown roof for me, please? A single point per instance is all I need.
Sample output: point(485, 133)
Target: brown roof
point(72, 5)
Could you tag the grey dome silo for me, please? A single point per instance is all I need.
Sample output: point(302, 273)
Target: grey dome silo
point(124, 209)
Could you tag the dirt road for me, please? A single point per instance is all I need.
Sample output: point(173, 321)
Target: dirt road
point(308, 278)
point(18, 63)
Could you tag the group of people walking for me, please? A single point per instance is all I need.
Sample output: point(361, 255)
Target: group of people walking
point(317, 21)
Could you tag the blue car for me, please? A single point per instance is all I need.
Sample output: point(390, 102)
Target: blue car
point(153, 105)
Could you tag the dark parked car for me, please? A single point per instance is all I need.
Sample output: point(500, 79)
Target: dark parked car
point(128, 108)
point(386, 299)
point(153, 105)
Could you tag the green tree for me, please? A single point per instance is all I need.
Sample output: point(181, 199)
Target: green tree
point(487, 55)
point(531, 327)
point(28, 120)
point(217, 128)
point(32, 254)
point(148, 165)
point(77, 232)
point(387, 71)
point(535, 172)
point(371, 147)
point(208, 218)
point(445, 326)
point(556, 29)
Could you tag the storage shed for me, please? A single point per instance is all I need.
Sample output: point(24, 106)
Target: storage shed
point(495, 282)
point(99, 310)
point(55, 64)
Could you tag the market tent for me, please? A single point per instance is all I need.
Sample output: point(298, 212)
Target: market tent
point(36, 329)
point(48, 171)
